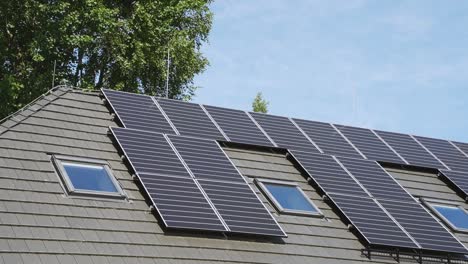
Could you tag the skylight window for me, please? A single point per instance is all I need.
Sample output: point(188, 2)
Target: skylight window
point(455, 216)
point(287, 197)
point(87, 177)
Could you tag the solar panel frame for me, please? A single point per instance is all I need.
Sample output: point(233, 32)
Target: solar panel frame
point(372, 222)
point(428, 232)
point(445, 151)
point(200, 215)
point(410, 149)
point(458, 179)
point(238, 126)
point(369, 144)
point(190, 119)
point(129, 107)
point(327, 138)
point(378, 182)
point(328, 174)
point(268, 227)
point(284, 133)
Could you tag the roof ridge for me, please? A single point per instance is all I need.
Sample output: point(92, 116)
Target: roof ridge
point(37, 104)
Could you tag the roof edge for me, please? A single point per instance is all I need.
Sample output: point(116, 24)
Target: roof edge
point(36, 105)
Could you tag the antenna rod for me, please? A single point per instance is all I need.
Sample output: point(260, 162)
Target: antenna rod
point(53, 74)
point(167, 74)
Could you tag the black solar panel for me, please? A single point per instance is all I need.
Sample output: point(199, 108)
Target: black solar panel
point(446, 152)
point(376, 227)
point(150, 153)
point(369, 144)
point(238, 126)
point(410, 150)
point(206, 159)
point(241, 209)
point(190, 119)
point(424, 228)
point(375, 179)
point(137, 111)
point(327, 138)
point(328, 174)
point(462, 146)
point(458, 179)
point(231, 195)
point(284, 133)
point(174, 193)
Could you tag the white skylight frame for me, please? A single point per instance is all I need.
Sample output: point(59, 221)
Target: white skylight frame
point(59, 160)
point(261, 184)
point(429, 204)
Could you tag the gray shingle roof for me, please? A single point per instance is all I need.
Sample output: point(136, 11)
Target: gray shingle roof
point(39, 224)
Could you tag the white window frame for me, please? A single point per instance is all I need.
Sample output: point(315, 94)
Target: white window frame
point(429, 204)
point(261, 184)
point(58, 161)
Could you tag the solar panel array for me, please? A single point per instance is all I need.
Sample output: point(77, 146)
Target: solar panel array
point(284, 133)
point(238, 126)
point(174, 193)
point(410, 150)
point(372, 222)
point(423, 227)
point(369, 144)
point(327, 138)
point(376, 204)
point(237, 204)
point(190, 119)
point(137, 111)
point(446, 152)
point(194, 185)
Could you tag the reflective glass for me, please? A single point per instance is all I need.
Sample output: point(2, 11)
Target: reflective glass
point(289, 197)
point(89, 177)
point(457, 216)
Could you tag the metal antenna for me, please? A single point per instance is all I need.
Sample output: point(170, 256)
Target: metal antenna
point(167, 73)
point(53, 74)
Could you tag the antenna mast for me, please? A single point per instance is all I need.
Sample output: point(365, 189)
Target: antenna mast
point(167, 73)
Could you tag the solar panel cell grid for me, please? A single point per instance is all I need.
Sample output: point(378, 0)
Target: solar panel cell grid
point(446, 152)
point(375, 179)
point(429, 233)
point(206, 159)
point(372, 222)
point(190, 119)
point(458, 179)
point(328, 174)
point(238, 126)
point(369, 144)
point(240, 208)
point(284, 133)
point(410, 150)
point(137, 111)
point(327, 138)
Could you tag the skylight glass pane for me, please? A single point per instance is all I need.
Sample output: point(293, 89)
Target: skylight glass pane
point(89, 177)
point(457, 216)
point(289, 197)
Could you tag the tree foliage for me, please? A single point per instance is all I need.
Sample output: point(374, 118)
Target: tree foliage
point(100, 43)
point(259, 104)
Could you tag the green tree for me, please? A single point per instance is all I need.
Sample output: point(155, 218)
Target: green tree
point(119, 45)
point(259, 104)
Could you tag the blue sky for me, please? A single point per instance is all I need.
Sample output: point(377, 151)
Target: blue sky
point(391, 65)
